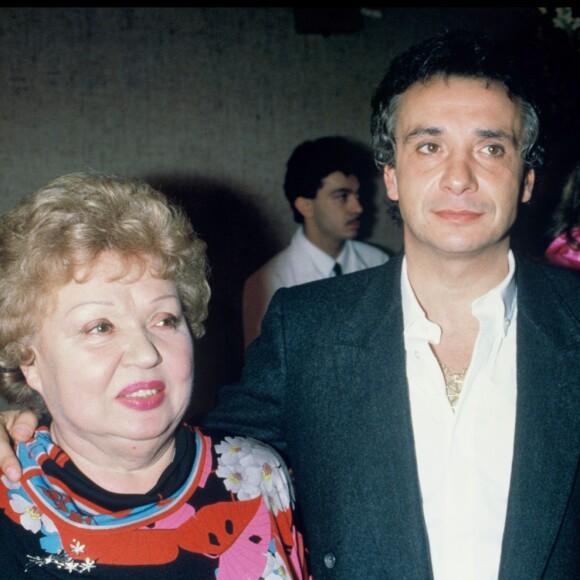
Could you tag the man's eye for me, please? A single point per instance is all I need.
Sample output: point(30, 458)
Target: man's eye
point(494, 150)
point(344, 197)
point(429, 148)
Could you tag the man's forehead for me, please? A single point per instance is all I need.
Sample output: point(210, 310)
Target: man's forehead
point(430, 107)
point(337, 180)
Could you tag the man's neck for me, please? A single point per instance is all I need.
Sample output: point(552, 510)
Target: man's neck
point(439, 278)
point(446, 287)
point(332, 247)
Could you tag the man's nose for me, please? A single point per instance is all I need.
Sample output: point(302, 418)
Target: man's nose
point(354, 204)
point(459, 177)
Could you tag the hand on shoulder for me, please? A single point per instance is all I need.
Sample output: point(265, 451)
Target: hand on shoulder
point(14, 426)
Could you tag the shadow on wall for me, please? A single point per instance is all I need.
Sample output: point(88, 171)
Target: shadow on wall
point(369, 179)
point(238, 240)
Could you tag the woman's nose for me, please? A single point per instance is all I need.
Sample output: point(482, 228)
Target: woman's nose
point(140, 350)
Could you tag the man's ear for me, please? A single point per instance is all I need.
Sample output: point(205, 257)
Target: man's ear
point(304, 206)
point(528, 185)
point(390, 179)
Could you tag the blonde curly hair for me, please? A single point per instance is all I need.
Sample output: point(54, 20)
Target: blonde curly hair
point(49, 236)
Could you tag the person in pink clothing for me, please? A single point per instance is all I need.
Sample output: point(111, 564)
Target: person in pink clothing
point(564, 249)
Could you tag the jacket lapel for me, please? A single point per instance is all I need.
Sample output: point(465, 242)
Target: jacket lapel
point(546, 447)
point(392, 494)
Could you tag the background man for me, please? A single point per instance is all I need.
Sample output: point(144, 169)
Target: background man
point(324, 183)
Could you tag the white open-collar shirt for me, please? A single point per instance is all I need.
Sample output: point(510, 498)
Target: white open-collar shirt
point(464, 458)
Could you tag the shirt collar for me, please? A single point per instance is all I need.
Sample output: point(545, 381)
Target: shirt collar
point(499, 303)
point(322, 261)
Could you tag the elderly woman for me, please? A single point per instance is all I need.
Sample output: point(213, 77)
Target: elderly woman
point(102, 285)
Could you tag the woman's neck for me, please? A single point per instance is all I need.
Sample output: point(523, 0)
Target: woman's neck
point(119, 466)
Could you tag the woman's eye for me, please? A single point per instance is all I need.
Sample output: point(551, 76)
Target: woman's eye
point(170, 321)
point(100, 328)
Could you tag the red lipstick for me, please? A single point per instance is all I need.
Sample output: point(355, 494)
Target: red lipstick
point(142, 396)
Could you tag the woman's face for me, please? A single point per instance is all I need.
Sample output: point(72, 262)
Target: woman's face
point(113, 360)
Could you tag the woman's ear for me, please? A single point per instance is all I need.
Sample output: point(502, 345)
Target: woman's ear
point(32, 376)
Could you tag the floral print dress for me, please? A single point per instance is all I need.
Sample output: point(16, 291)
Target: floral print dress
point(223, 510)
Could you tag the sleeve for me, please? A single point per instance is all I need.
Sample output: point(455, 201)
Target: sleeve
point(255, 407)
point(288, 537)
point(255, 300)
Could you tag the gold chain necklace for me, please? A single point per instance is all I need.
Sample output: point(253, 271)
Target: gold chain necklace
point(453, 383)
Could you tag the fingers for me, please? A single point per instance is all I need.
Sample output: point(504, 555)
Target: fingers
point(20, 426)
point(23, 425)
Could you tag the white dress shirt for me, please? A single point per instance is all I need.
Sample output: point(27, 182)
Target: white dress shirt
point(298, 263)
point(464, 458)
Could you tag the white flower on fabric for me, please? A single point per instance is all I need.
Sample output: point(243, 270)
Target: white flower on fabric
point(275, 568)
point(250, 468)
point(232, 449)
point(232, 477)
point(77, 547)
point(87, 565)
point(62, 561)
point(30, 516)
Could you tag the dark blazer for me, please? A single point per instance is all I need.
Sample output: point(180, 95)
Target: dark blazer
point(325, 383)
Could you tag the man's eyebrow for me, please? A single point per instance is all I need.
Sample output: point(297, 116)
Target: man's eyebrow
point(499, 134)
point(420, 131)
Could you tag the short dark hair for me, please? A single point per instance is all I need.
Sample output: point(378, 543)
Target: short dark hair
point(313, 160)
point(454, 54)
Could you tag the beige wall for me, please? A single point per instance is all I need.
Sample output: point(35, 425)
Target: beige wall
point(207, 104)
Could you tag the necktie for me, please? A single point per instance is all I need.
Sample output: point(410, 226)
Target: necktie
point(337, 269)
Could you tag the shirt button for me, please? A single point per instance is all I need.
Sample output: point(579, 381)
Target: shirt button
point(417, 355)
point(330, 560)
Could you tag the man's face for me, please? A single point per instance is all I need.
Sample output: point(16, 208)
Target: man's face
point(459, 174)
point(333, 215)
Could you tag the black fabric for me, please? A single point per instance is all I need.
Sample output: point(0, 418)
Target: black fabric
point(172, 478)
